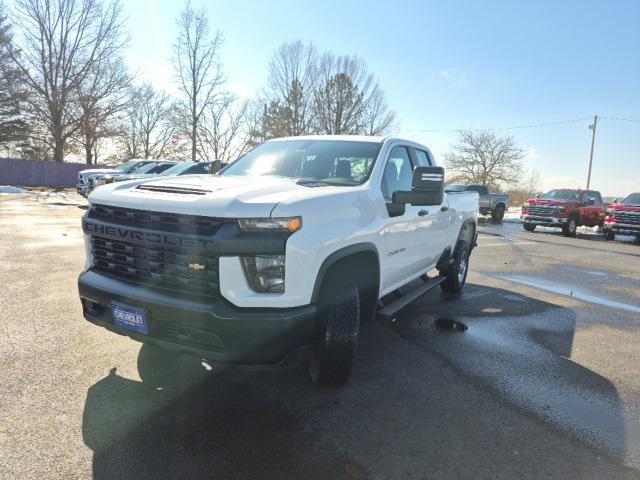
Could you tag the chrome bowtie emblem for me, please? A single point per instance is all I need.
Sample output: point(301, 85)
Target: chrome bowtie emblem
point(196, 266)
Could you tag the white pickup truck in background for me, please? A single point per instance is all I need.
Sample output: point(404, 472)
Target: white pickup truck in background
point(290, 246)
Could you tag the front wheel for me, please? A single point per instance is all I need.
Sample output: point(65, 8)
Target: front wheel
point(529, 227)
point(456, 276)
point(609, 235)
point(497, 214)
point(335, 346)
point(569, 228)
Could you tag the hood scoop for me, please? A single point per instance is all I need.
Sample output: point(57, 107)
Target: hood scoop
point(173, 189)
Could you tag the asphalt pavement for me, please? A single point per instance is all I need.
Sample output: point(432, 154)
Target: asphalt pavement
point(543, 384)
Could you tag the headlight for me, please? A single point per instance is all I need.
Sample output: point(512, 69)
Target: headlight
point(99, 181)
point(560, 209)
point(284, 224)
point(265, 273)
point(524, 207)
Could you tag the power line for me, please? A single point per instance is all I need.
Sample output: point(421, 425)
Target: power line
point(620, 119)
point(532, 125)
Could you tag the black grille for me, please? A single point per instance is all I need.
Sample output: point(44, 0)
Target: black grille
point(627, 217)
point(164, 222)
point(191, 272)
point(543, 210)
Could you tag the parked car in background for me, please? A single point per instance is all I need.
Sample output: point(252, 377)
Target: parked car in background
point(151, 169)
point(623, 218)
point(493, 204)
point(564, 208)
point(86, 177)
point(181, 168)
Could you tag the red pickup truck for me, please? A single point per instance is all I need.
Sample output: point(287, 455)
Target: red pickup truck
point(564, 208)
point(623, 218)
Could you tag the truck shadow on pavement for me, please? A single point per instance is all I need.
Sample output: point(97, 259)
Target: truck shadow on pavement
point(493, 402)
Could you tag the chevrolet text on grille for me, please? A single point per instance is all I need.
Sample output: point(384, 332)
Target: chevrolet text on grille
point(150, 237)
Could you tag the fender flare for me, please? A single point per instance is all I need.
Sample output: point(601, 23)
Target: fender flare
point(338, 255)
point(447, 255)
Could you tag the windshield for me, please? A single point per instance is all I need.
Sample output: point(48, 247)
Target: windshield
point(561, 195)
point(331, 162)
point(178, 168)
point(128, 166)
point(633, 199)
point(146, 168)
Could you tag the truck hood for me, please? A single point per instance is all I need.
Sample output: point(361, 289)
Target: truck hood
point(551, 203)
point(624, 208)
point(207, 195)
point(96, 171)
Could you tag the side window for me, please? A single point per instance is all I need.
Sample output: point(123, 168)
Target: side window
point(197, 169)
point(423, 158)
point(398, 173)
point(596, 197)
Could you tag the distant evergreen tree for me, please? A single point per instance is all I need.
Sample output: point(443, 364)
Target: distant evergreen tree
point(13, 127)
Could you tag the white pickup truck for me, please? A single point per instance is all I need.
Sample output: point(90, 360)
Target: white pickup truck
point(289, 247)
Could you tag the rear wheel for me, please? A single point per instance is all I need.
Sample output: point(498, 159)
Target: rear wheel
point(337, 339)
point(497, 214)
point(456, 276)
point(569, 228)
point(609, 235)
point(529, 227)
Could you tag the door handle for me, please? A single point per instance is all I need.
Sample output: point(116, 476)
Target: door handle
point(444, 208)
point(422, 213)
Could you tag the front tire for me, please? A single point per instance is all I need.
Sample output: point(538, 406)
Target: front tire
point(609, 235)
point(569, 228)
point(456, 276)
point(335, 346)
point(528, 227)
point(497, 214)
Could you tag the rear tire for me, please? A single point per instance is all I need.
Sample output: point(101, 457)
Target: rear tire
point(609, 235)
point(569, 228)
point(497, 214)
point(528, 227)
point(456, 276)
point(335, 345)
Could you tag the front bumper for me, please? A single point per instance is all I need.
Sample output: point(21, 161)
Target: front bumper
point(214, 330)
point(544, 221)
point(630, 228)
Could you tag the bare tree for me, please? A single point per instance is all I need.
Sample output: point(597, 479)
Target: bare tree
point(225, 132)
point(378, 118)
point(101, 96)
point(148, 127)
point(62, 41)
point(485, 158)
point(197, 68)
point(290, 86)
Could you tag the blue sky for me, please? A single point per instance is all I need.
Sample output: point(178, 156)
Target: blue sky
point(451, 65)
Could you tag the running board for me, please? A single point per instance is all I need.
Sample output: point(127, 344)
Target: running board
point(388, 311)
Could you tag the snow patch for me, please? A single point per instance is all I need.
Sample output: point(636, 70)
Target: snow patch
point(9, 190)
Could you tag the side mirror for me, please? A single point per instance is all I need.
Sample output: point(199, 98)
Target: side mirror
point(591, 201)
point(427, 188)
point(215, 166)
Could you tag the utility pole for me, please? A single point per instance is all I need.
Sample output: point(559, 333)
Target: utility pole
point(593, 141)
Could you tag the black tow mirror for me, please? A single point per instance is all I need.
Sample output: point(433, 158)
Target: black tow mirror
point(427, 188)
